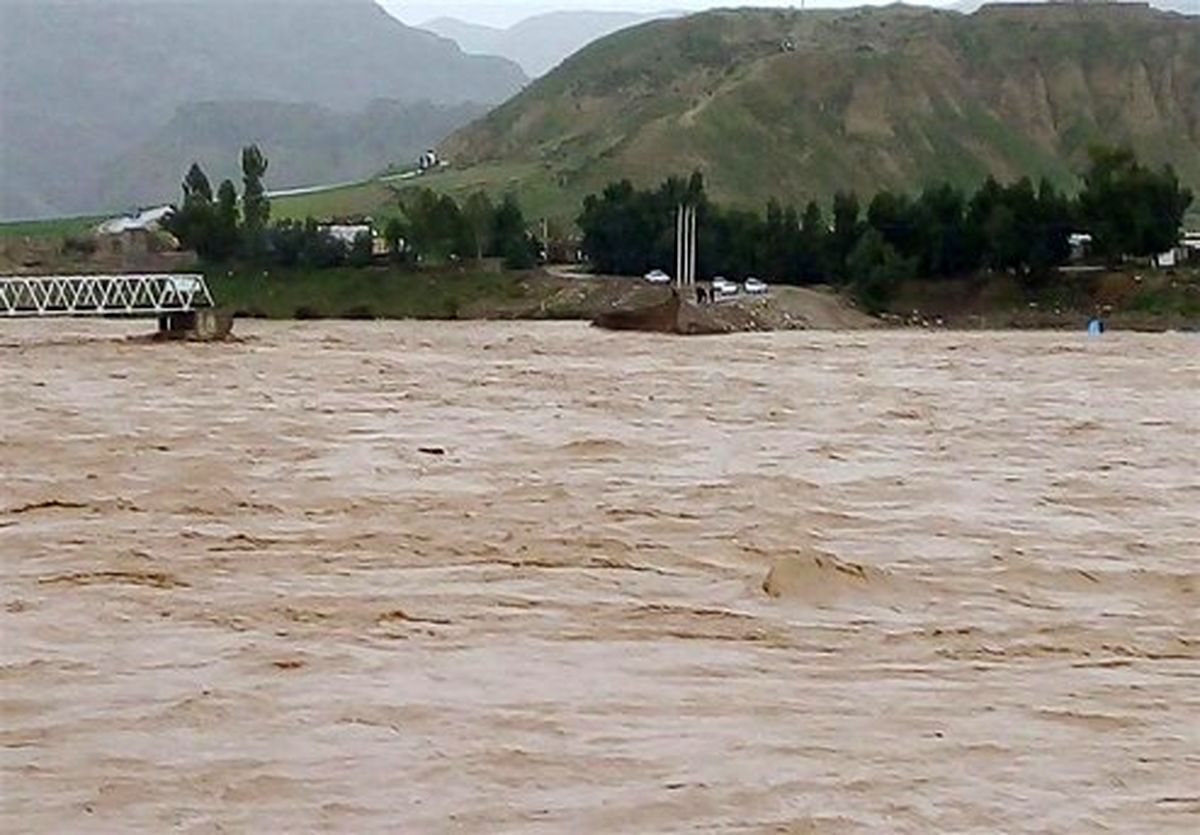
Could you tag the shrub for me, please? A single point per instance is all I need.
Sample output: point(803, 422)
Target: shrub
point(84, 245)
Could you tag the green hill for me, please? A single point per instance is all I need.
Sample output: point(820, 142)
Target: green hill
point(795, 105)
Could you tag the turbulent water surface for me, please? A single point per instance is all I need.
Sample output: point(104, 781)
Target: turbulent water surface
point(495, 577)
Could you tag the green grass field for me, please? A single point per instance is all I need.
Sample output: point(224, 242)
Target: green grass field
point(366, 198)
point(533, 186)
point(374, 293)
point(52, 228)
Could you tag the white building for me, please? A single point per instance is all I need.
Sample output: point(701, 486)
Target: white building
point(347, 233)
point(1191, 244)
point(1186, 251)
point(428, 160)
point(1081, 245)
point(146, 220)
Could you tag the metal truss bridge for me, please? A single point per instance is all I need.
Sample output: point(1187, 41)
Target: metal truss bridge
point(144, 296)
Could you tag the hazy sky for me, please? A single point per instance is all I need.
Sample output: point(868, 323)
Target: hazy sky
point(505, 12)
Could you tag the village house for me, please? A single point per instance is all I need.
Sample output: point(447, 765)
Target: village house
point(1191, 246)
point(348, 230)
point(428, 161)
point(1185, 252)
point(1081, 245)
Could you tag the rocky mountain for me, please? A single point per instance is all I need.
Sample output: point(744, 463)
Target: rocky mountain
point(795, 105)
point(539, 43)
point(84, 83)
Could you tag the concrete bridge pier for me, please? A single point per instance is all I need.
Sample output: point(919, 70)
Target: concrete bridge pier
point(207, 324)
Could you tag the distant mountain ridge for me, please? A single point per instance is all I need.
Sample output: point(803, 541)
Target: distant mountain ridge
point(307, 144)
point(542, 42)
point(83, 83)
point(796, 105)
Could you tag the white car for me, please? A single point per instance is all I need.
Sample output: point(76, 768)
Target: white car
point(657, 277)
point(723, 287)
point(755, 287)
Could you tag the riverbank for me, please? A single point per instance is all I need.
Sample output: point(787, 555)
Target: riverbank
point(479, 293)
point(1151, 301)
point(1126, 299)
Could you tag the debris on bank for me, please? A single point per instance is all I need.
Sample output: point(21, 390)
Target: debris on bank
point(784, 309)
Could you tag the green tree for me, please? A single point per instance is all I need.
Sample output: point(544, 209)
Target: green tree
point(1018, 229)
point(895, 218)
point(286, 242)
point(435, 225)
point(847, 229)
point(479, 214)
point(197, 190)
point(943, 246)
point(776, 256)
point(612, 236)
point(813, 245)
point(362, 250)
point(1049, 239)
point(876, 270)
point(256, 207)
point(225, 236)
point(319, 249)
point(394, 233)
point(194, 222)
point(512, 239)
point(1128, 208)
point(628, 232)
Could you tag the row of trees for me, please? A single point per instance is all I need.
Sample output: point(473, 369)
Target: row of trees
point(223, 227)
point(941, 233)
point(435, 227)
point(429, 228)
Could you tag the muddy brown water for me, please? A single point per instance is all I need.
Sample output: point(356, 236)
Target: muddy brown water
point(406, 577)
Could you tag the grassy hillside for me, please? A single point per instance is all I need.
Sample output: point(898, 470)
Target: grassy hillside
point(869, 98)
point(83, 83)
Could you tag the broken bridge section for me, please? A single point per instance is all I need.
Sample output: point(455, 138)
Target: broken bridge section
point(144, 296)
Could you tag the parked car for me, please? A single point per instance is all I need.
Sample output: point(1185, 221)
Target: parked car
point(755, 287)
point(723, 287)
point(658, 277)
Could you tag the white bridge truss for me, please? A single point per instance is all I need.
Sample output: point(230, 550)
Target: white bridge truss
point(102, 295)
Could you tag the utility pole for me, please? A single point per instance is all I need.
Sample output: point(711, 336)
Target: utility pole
point(691, 248)
point(678, 275)
point(685, 246)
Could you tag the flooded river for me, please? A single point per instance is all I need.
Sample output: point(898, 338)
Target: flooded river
point(405, 577)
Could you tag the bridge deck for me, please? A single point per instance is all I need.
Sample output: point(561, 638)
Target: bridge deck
point(150, 295)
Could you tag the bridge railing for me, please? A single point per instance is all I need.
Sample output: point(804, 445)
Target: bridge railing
point(102, 295)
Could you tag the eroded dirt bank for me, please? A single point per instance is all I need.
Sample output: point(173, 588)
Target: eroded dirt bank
point(508, 576)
